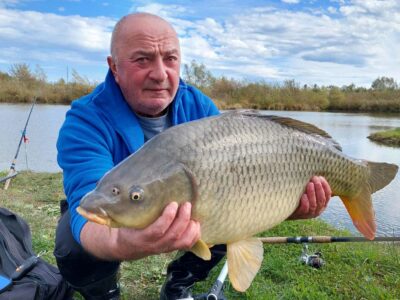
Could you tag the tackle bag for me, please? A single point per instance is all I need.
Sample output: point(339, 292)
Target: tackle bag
point(36, 279)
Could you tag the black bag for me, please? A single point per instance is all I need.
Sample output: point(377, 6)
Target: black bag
point(43, 281)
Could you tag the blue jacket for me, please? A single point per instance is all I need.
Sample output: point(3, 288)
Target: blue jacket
point(100, 130)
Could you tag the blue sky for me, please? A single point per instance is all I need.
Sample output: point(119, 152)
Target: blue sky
point(327, 42)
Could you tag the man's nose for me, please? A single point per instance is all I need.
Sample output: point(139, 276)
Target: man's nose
point(158, 72)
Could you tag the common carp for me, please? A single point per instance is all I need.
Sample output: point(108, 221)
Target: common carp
point(244, 173)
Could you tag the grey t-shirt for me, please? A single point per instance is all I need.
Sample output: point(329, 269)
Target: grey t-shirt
point(153, 126)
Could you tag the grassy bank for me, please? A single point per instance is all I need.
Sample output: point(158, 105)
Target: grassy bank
point(387, 137)
point(352, 271)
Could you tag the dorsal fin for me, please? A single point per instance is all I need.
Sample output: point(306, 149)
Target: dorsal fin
point(292, 123)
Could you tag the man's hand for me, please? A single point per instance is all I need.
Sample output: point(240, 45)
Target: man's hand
point(314, 200)
point(173, 230)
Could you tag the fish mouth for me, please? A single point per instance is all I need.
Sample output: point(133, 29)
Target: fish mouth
point(96, 218)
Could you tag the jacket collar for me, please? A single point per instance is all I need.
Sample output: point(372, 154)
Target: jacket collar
point(114, 107)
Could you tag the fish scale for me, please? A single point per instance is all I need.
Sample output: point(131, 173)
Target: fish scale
point(244, 173)
point(228, 202)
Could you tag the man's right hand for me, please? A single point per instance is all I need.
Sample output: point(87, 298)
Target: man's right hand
point(173, 230)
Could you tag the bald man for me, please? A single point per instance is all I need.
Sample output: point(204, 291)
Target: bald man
point(141, 96)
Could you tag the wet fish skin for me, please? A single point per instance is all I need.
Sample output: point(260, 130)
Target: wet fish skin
point(243, 172)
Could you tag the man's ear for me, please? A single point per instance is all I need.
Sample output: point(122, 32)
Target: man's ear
point(113, 67)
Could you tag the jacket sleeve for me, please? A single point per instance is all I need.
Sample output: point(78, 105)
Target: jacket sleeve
point(199, 105)
point(84, 154)
point(212, 108)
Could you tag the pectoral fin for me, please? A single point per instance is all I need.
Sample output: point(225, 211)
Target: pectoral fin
point(244, 261)
point(201, 250)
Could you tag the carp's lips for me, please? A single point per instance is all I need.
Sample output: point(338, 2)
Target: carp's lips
point(99, 219)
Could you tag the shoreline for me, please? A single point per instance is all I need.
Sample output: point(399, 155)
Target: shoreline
point(225, 108)
point(389, 138)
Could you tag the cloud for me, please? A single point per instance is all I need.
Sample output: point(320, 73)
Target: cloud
point(54, 41)
point(8, 3)
point(291, 1)
point(343, 41)
point(336, 57)
point(30, 30)
point(281, 43)
point(332, 9)
point(164, 11)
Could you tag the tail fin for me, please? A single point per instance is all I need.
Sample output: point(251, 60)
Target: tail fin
point(381, 174)
point(360, 207)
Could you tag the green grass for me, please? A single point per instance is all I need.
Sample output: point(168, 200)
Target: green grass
point(352, 270)
point(387, 137)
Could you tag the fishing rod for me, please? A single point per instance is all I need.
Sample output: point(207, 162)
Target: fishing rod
point(8, 177)
point(313, 260)
point(325, 239)
point(23, 137)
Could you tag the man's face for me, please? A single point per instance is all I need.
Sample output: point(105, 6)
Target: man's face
point(146, 65)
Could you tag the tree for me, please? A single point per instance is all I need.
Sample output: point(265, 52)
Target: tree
point(78, 79)
point(22, 73)
point(4, 76)
point(384, 83)
point(40, 75)
point(197, 75)
point(336, 98)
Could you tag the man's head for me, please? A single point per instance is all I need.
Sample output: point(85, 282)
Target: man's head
point(145, 60)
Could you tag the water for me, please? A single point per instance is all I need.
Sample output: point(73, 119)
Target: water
point(350, 130)
point(40, 153)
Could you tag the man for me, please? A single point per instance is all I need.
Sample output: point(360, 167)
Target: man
point(142, 95)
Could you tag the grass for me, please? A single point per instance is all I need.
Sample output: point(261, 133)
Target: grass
point(387, 137)
point(352, 270)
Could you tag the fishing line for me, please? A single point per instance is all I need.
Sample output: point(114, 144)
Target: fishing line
point(26, 157)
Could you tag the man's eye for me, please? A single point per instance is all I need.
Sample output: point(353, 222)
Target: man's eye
point(142, 59)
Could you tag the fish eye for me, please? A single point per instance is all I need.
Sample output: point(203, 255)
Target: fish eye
point(136, 194)
point(115, 191)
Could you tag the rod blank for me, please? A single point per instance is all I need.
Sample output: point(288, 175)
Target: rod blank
point(325, 239)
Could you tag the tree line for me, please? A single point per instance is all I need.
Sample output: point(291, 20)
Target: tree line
point(21, 84)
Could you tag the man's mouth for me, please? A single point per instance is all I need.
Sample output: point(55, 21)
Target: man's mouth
point(156, 90)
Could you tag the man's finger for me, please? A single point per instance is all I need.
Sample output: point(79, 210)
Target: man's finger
point(181, 222)
point(302, 210)
point(304, 205)
point(190, 236)
point(164, 222)
point(311, 197)
point(319, 194)
point(327, 189)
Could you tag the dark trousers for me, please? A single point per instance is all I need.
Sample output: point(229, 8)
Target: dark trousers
point(81, 269)
point(76, 265)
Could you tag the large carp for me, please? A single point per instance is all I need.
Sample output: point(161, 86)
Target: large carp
point(243, 172)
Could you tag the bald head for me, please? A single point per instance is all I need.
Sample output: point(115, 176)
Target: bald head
point(145, 61)
point(138, 23)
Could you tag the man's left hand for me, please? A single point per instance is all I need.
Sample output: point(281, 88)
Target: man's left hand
point(314, 200)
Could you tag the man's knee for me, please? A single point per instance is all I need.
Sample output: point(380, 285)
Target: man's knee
point(77, 266)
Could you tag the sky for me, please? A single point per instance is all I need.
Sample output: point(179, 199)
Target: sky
point(330, 42)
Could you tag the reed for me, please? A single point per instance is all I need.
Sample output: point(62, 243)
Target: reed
point(21, 85)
